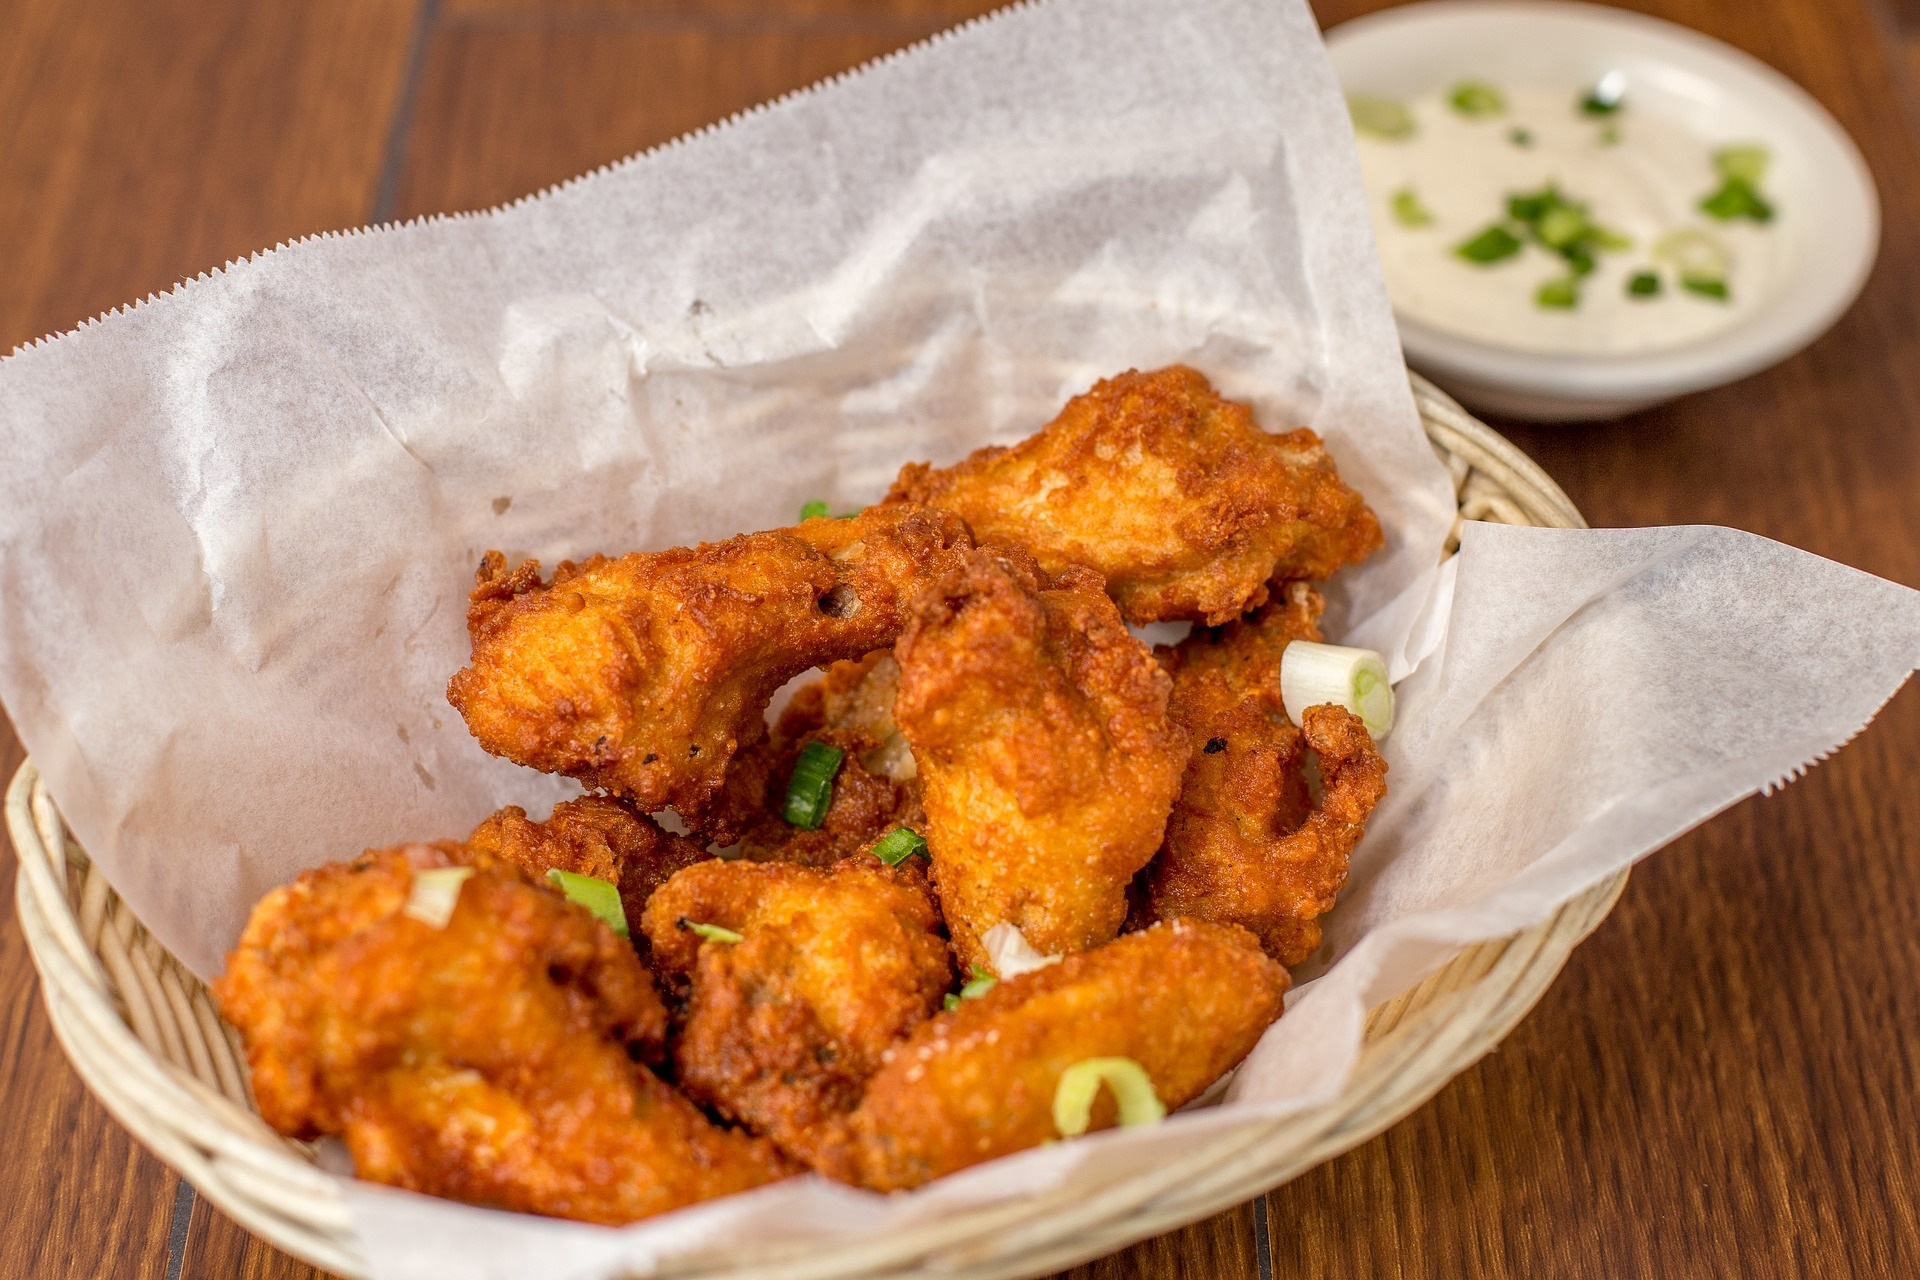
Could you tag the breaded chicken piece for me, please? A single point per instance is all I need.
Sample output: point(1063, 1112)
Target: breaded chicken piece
point(644, 675)
point(1177, 496)
point(1245, 845)
point(1186, 1000)
point(596, 836)
point(1048, 763)
point(492, 1060)
point(863, 806)
point(784, 1027)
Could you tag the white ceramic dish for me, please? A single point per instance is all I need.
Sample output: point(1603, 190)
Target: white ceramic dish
point(1712, 89)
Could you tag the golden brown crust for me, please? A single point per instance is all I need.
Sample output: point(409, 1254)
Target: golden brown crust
point(1047, 760)
point(596, 836)
point(1245, 845)
point(1175, 495)
point(492, 1060)
point(643, 676)
point(1186, 1000)
point(784, 1027)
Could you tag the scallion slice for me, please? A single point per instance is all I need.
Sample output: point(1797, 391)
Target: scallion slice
point(1476, 98)
point(810, 789)
point(435, 894)
point(1080, 1084)
point(814, 510)
point(1490, 246)
point(898, 845)
point(711, 932)
point(1381, 117)
point(1313, 675)
point(981, 983)
point(595, 895)
point(1407, 209)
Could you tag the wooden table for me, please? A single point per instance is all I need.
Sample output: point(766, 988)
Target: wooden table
point(1723, 1082)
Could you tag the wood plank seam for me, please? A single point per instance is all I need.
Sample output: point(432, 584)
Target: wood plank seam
point(393, 164)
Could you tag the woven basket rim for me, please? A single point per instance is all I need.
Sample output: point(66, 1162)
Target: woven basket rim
point(143, 1033)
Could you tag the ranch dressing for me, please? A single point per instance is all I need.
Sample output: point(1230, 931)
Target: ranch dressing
point(1641, 179)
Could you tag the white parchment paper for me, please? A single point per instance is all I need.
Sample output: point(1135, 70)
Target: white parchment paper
point(237, 523)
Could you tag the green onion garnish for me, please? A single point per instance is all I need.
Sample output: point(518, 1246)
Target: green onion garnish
point(810, 789)
point(1313, 675)
point(1381, 117)
point(1705, 287)
point(1491, 245)
point(1561, 295)
point(595, 895)
point(434, 895)
point(1606, 97)
point(1740, 168)
point(1080, 1084)
point(1519, 137)
point(1476, 98)
point(1643, 284)
point(1407, 209)
point(981, 983)
point(711, 932)
point(898, 845)
point(815, 510)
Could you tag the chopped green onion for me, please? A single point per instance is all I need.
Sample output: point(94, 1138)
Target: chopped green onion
point(1490, 246)
point(1705, 287)
point(1476, 98)
point(1560, 295)
point(1381, 117)
point(981, 983)
point(1009, 952)
point(1694, 254)
point(711, 932)
point(1519, 137)
point(1080, 1084)
point(1313, 675)
point(1736, 198)
point(1407, 209)
point(810, 789)
point(1746, 162)
point(898, 845)
point(1643, 284)
point(1560, 226)
point(1606, 97)
point(434, 895)
point(596, 895)
point(814, 510)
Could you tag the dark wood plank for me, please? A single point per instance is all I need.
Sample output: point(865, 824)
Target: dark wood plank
point(143, 141)
point(484, 135)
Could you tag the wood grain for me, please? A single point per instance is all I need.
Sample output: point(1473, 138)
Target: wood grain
point(1724, 1080)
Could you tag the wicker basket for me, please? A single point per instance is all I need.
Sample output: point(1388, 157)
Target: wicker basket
point(144, 1035)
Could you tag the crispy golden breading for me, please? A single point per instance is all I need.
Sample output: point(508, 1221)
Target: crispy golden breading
point(1186, 1000)
point(1048, 763)
point(1245, 845)
point(1175, 495)
point(644, 675)
point(492, 1060)
point(784, 1027)
point(864, 805)
point(595, 836)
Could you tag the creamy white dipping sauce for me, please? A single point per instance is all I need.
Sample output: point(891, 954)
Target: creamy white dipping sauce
point(1641, 179)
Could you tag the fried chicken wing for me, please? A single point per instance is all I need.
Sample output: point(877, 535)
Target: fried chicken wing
point(1186, 1000)
point(1245, 845)
point(784, 1027)
point(491, 1060)
point(1175, 495)
point(864, 804)
point(644, 675)
point(596, 836)
point(1047, 760)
